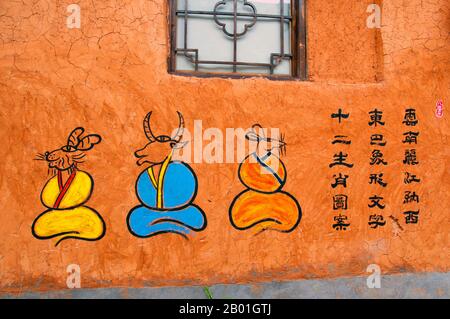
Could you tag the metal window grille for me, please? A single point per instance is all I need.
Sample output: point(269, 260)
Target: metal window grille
point(232, 22)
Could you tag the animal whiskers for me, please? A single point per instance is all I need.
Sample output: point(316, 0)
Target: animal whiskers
point(51, 171)
point(67, 157)
point(283, 145)
point(39, 157)
point(80, 156)
point(266, 144)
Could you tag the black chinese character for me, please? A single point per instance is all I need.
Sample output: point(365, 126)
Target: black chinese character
point(377, 139)
point(410, 157)
point(340, 159)
point(410, 118)
point(377, 158)
point(340, 115)
point(377, 179)
point(410, 178)
point(410, 197)
point(375, 202)
point(340, 202)
point(410, 137)
point(376, 220)
point(341, 222)
point(411, 217)
point(341, 139)
point(340, 180)
point(375, 117)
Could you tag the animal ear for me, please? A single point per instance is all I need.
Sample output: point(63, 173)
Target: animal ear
point(259, 130)
point(178, 145)
point(88, 142)
point(254, 135)
point(74, 137)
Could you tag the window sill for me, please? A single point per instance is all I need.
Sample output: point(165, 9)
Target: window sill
point(237, 76)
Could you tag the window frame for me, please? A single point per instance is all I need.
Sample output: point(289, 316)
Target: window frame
point(298, 50)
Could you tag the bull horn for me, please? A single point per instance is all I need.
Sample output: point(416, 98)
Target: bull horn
point(147, 128)
point(179, 134)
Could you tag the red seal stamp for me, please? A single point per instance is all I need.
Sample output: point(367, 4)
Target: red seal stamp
point(439, 109)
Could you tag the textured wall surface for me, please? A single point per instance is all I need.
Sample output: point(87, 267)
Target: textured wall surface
point(107, 75)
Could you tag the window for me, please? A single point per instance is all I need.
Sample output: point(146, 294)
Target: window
point(238, 38)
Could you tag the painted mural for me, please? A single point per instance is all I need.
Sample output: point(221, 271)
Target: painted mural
point(365, 179)
point(66, 193)
point(263, 205)
point(166, 188)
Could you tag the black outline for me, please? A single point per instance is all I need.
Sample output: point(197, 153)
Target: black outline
point(194, 195)
point(258, 138)
point(71, 148)
point(163, 139)
point(300, 214)
point(69, 232)
point(81, 204)
point(77, 137)
point(166, 219)
point(176, 208)
point(67, 149)
point(260, 191)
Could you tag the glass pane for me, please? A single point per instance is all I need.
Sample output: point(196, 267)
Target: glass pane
point(234, 36)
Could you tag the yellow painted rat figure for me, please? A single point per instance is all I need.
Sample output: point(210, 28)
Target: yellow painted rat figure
point(67, 192)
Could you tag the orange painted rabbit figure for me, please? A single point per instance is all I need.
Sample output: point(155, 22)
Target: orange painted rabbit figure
point(263, 205)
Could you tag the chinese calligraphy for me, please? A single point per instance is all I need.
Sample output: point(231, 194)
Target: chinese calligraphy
point(410, 159)
point(377, 158)
point(340, 201)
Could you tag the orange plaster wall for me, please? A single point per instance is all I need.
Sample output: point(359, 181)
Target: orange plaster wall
point(110, 73)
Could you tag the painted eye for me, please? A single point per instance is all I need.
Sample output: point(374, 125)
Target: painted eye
point(68, 148)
